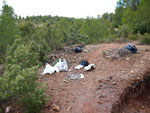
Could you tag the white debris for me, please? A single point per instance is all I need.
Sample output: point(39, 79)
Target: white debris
point(48, 69)
point(89, 67)
point(79, 67)
point(73, 77)
point(132, 71)
point(61, 65)
point(8, 109)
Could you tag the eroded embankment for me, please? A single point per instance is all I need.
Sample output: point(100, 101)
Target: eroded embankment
point(136, 95)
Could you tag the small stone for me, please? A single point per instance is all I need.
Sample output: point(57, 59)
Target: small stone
point(98, 96)
point(98, 88)
point(142, 107)
point(8, 109)
point(132, 71)
point(99, 81)
point(130, 105)
point(55, 107)
point(101, 96)
point(127, 59)
point(142, 62)
point(86, 51)
point(110, 86)
point(66, 81)
point(108, 100)
point(114, 83)
point(99, 102)
point(110, 77)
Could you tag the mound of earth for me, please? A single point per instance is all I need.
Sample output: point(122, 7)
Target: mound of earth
point(104, 89)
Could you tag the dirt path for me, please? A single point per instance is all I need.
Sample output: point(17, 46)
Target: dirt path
point(101, 89)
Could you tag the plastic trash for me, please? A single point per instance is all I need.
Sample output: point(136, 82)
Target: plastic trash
point(131, 48)
point(55, 62)
point(89, 67)
point(61, 65)
point(79, 67)
point(84, 63)
point(76, 76)
point(78, 49)
point(73, 77)
point(48, 69)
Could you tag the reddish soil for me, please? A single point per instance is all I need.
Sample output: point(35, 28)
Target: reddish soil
point(104, 88)
point(137, 102)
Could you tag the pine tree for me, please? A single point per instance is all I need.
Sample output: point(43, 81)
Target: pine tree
point(8, 29)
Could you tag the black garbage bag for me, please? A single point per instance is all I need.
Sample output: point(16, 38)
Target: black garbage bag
point(132, 48)
point(84, 63)
point(78, 49)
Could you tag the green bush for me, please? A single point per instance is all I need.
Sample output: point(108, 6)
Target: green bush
point(123, 32)
point(132, 37)
point(20, 79)
point(145, 39)
point(31, 34)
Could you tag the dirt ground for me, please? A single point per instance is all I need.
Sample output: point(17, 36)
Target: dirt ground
point(103, 89)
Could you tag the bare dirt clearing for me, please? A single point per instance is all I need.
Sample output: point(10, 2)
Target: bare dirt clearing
point(104, 89)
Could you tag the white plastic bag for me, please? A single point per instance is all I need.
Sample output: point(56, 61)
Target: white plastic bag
point(48, 69)
point(61, 65)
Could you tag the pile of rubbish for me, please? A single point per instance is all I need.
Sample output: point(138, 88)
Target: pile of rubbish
point(131, 48)
point(58, 66)
point(61, 65)
point(86, 65)
point(73, 77)
point(120, 52)
point(78, 49)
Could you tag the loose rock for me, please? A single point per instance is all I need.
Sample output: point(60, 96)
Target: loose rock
point(55, 107)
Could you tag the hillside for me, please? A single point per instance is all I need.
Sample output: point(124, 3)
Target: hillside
point(104, 89)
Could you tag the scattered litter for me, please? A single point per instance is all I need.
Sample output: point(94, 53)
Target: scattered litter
point(73, 77)
point(117, 53)
point(58, 67)
point(131, 48)
point(84, 63)
point(86, 51)
point(90, 67)
point(79, 67)
point(78, 49)
point(61, 65)
point(69, 108)
point(9, 109)
point(48, 69)
point(69, 70)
